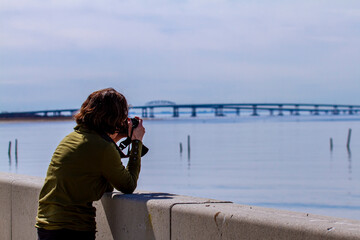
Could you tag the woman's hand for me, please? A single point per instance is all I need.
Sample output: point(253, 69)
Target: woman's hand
point(138, 132)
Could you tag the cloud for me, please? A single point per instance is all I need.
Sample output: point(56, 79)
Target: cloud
point(245, 49)
point(215, 25)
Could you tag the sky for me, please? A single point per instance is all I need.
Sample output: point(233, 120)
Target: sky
point(53, 53)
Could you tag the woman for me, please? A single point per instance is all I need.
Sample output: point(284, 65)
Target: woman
point(86, 164)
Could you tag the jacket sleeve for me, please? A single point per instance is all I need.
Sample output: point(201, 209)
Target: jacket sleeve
point(121, 178)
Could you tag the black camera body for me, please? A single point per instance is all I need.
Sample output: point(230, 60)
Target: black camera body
point(135, 122)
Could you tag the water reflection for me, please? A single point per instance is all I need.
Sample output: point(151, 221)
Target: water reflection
point(10, 162)
point(349, 158)
point(16, 161)
point(189, 163)
point(188, 143)
point(188, 152)
point(350, 163)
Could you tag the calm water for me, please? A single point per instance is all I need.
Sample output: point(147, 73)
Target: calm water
point(278, 162)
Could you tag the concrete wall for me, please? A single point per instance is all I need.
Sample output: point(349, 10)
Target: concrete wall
point(150, 215)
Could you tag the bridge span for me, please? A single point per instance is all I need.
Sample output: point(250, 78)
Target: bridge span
point(219, 109)
point(254, 108)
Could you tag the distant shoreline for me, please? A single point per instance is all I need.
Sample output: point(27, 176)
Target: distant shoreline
point(37, 119)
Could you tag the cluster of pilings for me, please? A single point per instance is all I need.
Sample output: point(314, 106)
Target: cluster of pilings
point(15, 151)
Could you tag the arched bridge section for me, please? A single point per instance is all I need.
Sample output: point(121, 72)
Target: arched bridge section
point(160, 102)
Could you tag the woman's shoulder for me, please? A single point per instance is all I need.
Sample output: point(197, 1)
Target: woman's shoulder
point(87, 137)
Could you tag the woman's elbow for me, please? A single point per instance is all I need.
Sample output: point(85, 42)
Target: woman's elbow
point(128, 189)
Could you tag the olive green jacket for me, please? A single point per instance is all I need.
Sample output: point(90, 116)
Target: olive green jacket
point(83, 167)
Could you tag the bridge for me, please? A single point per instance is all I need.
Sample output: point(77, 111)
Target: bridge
point(273, 108)
point(219, 109)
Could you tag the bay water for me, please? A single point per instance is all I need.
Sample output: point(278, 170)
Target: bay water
point(270, 161)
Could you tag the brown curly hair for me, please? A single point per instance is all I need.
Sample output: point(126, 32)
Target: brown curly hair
point(104, 111)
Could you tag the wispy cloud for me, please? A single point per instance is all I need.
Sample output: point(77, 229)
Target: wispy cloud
point(247, 49)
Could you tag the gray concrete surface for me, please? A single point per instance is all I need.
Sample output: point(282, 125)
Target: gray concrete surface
point(24, 200)
point(5, 205)
point(233, 221)
point(144, 215)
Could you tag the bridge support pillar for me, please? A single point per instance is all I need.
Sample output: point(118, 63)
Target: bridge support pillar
point(351, 110)
point(335, 111)
point(297, 113)
point(219, 111)
point(280, 110)
point(175, 112)
point(193, 112)
point(152, 112)
point(237, 111)
point(316, 111)
point(254, 111)
point(144, 113)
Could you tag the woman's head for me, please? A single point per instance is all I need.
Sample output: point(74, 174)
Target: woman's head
point(105, 110)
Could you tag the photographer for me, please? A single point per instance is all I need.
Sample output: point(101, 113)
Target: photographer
point(86, 164)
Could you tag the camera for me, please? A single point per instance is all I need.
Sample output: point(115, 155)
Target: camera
point(125, 143)
point(135, 122)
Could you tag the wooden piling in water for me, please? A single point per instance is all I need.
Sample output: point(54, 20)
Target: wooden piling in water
point(16, 149)
point(9, 151)
point(188, 146)
point(348, 139)
point(331, 144)
point(188, 151)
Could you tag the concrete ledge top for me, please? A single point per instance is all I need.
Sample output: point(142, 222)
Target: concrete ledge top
point(316, 225)
point(166, 199)
point(21, 180)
